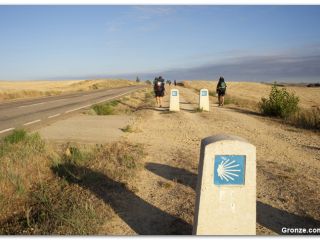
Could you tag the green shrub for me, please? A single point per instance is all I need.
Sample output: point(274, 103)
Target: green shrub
point(280, 103)
point(103, 109)
point(16, 136)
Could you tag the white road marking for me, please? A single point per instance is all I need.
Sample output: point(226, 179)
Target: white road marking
point(72, 110)
point(35, 121)
point(6, 130)
point(42, 103)
point(31, 105)
point(56, 115)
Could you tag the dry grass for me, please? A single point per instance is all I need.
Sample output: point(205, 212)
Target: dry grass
point(248, 95)
point(136, 101)
point(305, 118)
point(24, 160)
point(251, 93)
point(51, 190)
point(30, 89)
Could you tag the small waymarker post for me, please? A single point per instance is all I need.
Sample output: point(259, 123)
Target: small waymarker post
point(174, 100)
point(204, 100)
point(226, 190)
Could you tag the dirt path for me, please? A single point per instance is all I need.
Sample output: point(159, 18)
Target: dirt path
point(288, 164)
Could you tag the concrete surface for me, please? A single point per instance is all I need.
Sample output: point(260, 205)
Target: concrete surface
point(204, 100)
point(86, 129)
point(174, 100)
point(226, 209)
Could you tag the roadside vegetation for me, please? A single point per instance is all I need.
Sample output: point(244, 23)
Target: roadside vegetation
point(105, 108)
point(280, 103)
point(142, 99)
point(55, 189)
point(284, 105)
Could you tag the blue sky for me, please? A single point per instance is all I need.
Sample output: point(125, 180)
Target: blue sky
point(252, 43)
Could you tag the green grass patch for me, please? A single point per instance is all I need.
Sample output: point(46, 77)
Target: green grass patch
point(16, 136)
point(107, 108)
point(114, 103)
point(103, 109)
point(20, 146)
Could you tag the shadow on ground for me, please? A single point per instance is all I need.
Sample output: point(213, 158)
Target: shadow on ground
point(311, 147)
point(188, 103)
point(179, 175)
point(267, 216)
point(245, 111)
point(188, 110)
point(140, 215)
point(276, 219)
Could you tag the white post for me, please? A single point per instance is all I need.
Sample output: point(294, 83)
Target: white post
point(174, 100)
point(204, 100)
point(226, 190)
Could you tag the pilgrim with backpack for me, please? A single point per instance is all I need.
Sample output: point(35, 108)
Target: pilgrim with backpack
point(221, 90)
point(159, 89)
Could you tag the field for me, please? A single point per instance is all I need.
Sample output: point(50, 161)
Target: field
point(253, 92)
point(144, 181)
point(31, 89)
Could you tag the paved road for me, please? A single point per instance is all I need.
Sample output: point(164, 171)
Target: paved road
point(24, 113)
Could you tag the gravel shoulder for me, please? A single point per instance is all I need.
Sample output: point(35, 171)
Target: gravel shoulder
point(288, 163)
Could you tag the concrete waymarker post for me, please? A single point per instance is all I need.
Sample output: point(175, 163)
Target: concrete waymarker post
point(174, 100)
point(204, 100)
point(226, 190)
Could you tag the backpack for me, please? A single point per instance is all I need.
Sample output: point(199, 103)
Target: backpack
point(158, 86)
point(222, 86)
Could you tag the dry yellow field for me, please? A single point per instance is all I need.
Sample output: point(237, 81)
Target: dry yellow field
point(27, 89)
point(309, 96)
